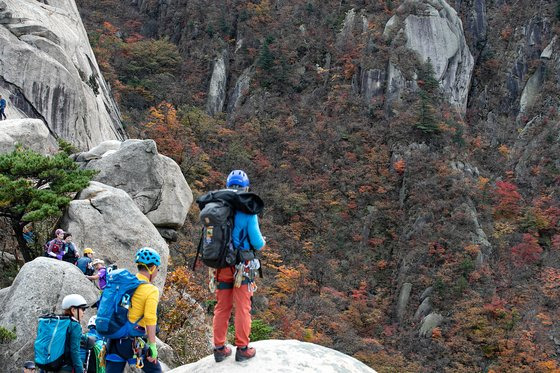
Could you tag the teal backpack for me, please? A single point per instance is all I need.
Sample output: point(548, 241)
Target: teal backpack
point(50, 345)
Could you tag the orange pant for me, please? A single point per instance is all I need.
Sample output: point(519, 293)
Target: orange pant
point(241, 298)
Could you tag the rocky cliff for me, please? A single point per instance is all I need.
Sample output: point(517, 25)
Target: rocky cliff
point(48, 71)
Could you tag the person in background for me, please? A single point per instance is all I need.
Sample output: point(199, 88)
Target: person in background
point(70, 252)
point(101, 275)
point(74, 305)
point(84, 263)
point(28, 234)
point(29, 367)
point(55, 247)
point(2, 108)
point(91, 357)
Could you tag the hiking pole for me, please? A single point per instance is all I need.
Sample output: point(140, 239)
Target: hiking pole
point(87, 359)
point(198, 250)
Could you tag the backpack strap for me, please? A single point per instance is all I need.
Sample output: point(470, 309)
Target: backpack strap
point(198, 249)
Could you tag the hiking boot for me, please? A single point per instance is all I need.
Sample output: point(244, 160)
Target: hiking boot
point(245, 353)
point(221, 353)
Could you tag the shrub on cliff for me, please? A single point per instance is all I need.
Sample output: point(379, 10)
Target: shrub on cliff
point(35, 187)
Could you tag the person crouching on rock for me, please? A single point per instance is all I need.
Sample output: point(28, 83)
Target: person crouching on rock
point(84, 263)
point(101, 274)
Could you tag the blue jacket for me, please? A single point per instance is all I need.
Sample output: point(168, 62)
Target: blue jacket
point(75, 335)
point(83, 263)
point(2, 104)
point(246, 232)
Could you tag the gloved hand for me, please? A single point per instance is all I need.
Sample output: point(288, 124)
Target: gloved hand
point(152, 350)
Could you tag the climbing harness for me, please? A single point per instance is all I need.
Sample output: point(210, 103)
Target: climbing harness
point(102, 355)
point(138, 348)
point(245, 273)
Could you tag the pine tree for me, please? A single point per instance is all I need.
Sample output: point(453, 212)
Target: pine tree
point(266, 58)
point(35, 187)
point(428, 92)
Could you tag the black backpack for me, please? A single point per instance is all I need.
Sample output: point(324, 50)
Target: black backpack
point(216, 246)
point(217, 211)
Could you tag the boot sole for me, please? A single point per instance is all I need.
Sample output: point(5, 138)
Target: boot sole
point(243, 358)
point(220, 359)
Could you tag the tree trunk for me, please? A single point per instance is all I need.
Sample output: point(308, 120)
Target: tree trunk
point(18, 231)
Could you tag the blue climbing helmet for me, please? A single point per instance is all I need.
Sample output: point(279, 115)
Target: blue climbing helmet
point(148, 256)
point(237, 177)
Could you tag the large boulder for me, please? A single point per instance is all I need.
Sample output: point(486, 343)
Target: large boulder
point(282, 356)
point(49, 71)
point(154, 181)
point(31, 133)
point(107, 220)
point(434, 31)
point(38, 289)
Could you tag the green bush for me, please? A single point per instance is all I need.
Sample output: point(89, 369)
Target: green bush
point(260, 330)
point(7, 335)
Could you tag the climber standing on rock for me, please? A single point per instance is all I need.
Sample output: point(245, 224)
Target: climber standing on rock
point(2, 108)
point(133, 342)
point(232, 258)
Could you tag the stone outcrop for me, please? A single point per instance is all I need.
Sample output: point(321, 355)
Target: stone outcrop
point(429, 323)
point(107, 220)
point(240, 90)
point(218, 83)
point(282, 356)
point(154, 181)
point(30, 133)
point(48, 71)
point(37, 290)
point(404, 297)
point(434, 31)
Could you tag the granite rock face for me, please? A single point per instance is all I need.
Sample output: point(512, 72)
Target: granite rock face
point(154, 181)
point(30, 133)
point(282, 357)
point(434, 31)
point(48, 71)
point(107, 220)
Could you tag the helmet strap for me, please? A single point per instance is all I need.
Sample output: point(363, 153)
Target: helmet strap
point(148, 269)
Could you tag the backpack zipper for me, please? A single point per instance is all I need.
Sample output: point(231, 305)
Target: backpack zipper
point(52, 338)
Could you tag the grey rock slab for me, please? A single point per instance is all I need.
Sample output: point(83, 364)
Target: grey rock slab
point(423, 309)
point(98, 151)
point(47, 64)
point(532, 90)
point(155, 182)
point(436, 34)
point(404, 297)
point(38, 289)
point(429, 323)
point(282, 357)
point(240, 90)
point(107, 220)
point(218, 83)
point(30, 133)
point(547, 52)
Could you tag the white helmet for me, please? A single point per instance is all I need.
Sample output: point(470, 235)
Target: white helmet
point(91, 321)
point(73, 300)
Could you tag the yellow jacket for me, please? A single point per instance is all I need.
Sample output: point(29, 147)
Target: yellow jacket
point(144, 302)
